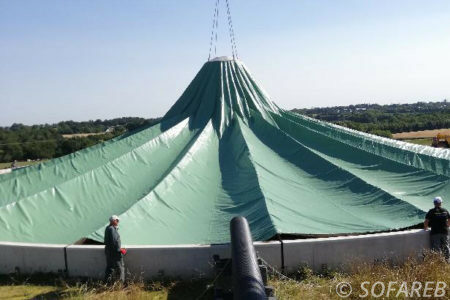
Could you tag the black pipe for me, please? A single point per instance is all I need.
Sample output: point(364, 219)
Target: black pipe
point(247, 279)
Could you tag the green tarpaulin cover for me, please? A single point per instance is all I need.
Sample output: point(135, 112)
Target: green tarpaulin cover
point(225, 149)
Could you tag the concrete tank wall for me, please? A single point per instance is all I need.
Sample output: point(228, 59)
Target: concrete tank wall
point(338, 252)
point(30, 258)
point(193, 261)
point(186, 261)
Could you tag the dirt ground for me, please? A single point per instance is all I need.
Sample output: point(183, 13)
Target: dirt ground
point(69, 136)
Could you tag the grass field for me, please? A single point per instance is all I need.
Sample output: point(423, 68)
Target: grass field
point(20, 164)
point(54, 292)
point(424, 137)
point(421, 141)
point(306, 285)
point(420, 134)
point(56, 288)
point(75, 135)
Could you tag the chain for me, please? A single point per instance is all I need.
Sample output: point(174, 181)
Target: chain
point(217, 27)
point(269, 266)
point(215, 30)
point(231, 30)
point(278, 273)
point(215, 24)
point(214, 281)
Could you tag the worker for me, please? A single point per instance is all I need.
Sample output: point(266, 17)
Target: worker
point(439, 220)
point(113, 251)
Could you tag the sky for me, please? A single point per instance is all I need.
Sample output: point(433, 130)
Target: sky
point(101, 59)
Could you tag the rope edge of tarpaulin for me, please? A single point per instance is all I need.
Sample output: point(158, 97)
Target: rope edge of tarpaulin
point(281, 253)
point(66, 265)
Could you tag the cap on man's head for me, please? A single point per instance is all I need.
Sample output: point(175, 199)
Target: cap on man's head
point(437, 200)
point(113, 218)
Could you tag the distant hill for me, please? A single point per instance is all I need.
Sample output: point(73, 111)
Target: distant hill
point(385, 119)
point(22, 142)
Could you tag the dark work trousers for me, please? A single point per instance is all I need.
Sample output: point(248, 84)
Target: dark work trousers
point(115, 269)
point(439, 243)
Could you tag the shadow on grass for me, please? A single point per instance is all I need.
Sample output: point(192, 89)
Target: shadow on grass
point(194, 289)
point(67, 288)
point(58, 294)
point(35, 279)
point(177, 289)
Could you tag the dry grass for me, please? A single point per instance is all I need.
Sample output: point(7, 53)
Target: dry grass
point(420, 134)
point(79, 292)
point(315, 286)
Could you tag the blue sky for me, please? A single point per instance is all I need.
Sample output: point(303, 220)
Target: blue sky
point(97, 59)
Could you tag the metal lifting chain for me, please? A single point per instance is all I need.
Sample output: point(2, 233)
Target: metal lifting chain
point(231, 30)
point(215, 29)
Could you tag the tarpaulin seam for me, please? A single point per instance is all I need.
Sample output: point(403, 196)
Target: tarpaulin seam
point(257, 177)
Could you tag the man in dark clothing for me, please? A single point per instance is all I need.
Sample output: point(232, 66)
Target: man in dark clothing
point(114, 252)
point(439, 220)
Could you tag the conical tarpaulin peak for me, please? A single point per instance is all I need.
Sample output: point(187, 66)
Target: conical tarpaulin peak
point(225, 149)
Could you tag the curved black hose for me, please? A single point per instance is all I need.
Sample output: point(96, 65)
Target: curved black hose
point(247, 279)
